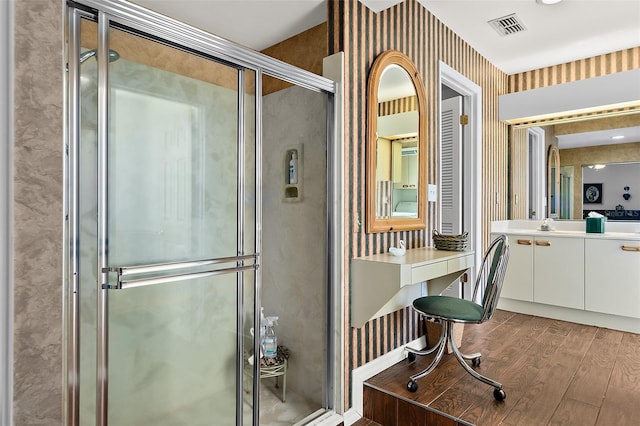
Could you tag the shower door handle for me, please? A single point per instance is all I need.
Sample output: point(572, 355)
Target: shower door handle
point(129, 276)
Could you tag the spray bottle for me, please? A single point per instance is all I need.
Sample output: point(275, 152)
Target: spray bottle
point(293, 168)
point(270, 340)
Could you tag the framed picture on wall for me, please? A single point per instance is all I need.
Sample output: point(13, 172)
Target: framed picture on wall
point(592, 193)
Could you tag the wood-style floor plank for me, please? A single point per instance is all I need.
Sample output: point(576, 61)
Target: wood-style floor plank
point(592, 378)
point(455, 401)
point(620, 408)
point(626, 371)
point(572, 412)
point(554, 373)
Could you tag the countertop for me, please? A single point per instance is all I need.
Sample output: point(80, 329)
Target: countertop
point(567, 229)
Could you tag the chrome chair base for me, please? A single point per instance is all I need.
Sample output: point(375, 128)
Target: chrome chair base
point(446, 336)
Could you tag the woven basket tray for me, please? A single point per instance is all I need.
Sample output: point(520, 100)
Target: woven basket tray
point(450, 242)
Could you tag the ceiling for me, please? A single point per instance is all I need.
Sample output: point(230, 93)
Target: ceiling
point(570, 30)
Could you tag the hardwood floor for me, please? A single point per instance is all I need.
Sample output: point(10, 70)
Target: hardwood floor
point(554, 373)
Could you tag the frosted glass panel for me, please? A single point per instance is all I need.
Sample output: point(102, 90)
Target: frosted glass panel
point(173, 196)
point(172, 165)
point(172, 353)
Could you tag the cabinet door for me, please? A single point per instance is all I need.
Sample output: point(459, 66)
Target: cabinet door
point(410, 170)
point(518, 281)
point(559, 272)
point(612, 282)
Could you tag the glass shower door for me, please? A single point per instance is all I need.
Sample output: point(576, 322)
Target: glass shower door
point(173, 161)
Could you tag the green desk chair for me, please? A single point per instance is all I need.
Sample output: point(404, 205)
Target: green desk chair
point(479, 309)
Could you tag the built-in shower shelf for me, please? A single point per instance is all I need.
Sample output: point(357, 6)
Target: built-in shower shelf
point(292, 190)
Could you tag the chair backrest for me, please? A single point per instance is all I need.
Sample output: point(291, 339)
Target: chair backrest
point(491, 275)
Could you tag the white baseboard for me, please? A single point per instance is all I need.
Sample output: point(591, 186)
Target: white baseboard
point(321, 418)
point(351, 416)
point(370, 369)
point(616, 322)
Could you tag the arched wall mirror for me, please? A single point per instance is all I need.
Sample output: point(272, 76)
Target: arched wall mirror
point(553, 182)
point(396, 146)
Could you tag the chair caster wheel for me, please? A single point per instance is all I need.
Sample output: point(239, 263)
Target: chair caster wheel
point(412, 386)
point(411, 357)
point(475, 362)
point(499, 394)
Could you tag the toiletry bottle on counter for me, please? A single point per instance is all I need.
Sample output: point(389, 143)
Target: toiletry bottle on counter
point(270, 341)
point(293, 168)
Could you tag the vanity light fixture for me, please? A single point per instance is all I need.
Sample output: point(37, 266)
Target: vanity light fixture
point(548, 2)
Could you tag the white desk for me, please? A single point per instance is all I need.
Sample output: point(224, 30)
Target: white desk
point(384, 283)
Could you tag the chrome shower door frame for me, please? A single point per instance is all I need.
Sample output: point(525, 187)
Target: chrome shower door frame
point(139, 19)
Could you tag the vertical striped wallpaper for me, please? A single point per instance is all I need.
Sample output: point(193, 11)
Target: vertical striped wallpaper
point(609, 63)
point(396, 106)
point(408, 27)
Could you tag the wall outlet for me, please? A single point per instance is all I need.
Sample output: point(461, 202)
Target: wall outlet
point(432, 193)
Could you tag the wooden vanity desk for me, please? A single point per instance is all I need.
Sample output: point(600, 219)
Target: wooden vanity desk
point(384, 283)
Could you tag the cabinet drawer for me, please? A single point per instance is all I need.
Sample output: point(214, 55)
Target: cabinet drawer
point(460, 263)
point(427, 272)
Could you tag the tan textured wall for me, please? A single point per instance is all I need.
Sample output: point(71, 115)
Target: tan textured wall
point(161, 56)
point(305, 50)
point(578, 157)
point(38, 337)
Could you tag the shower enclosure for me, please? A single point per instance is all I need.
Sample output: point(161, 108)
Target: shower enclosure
point(164, 219)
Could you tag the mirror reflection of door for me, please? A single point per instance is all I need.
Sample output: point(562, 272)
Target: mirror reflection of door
point(566, 192)
point(553, 182)
point(536, 200)
point(553, 196)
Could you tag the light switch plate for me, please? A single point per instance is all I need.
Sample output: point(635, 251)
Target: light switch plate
point(432, 194)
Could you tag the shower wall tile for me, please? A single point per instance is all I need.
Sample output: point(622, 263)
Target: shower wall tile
point(294, 250)
point(38, 213)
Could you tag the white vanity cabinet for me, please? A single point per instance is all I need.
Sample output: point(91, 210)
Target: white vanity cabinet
point(558, 271)
point(546, 270)
point(612, 277)
point(571, 275)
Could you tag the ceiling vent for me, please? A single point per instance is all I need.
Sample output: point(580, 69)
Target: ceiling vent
point(508, 25)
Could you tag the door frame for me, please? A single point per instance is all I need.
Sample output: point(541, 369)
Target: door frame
point(472, 157)
point(6, 214)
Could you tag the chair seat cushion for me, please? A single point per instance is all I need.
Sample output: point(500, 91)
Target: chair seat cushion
point(449, 308)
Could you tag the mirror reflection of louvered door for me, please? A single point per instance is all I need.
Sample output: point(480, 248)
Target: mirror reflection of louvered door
point(451, 166)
